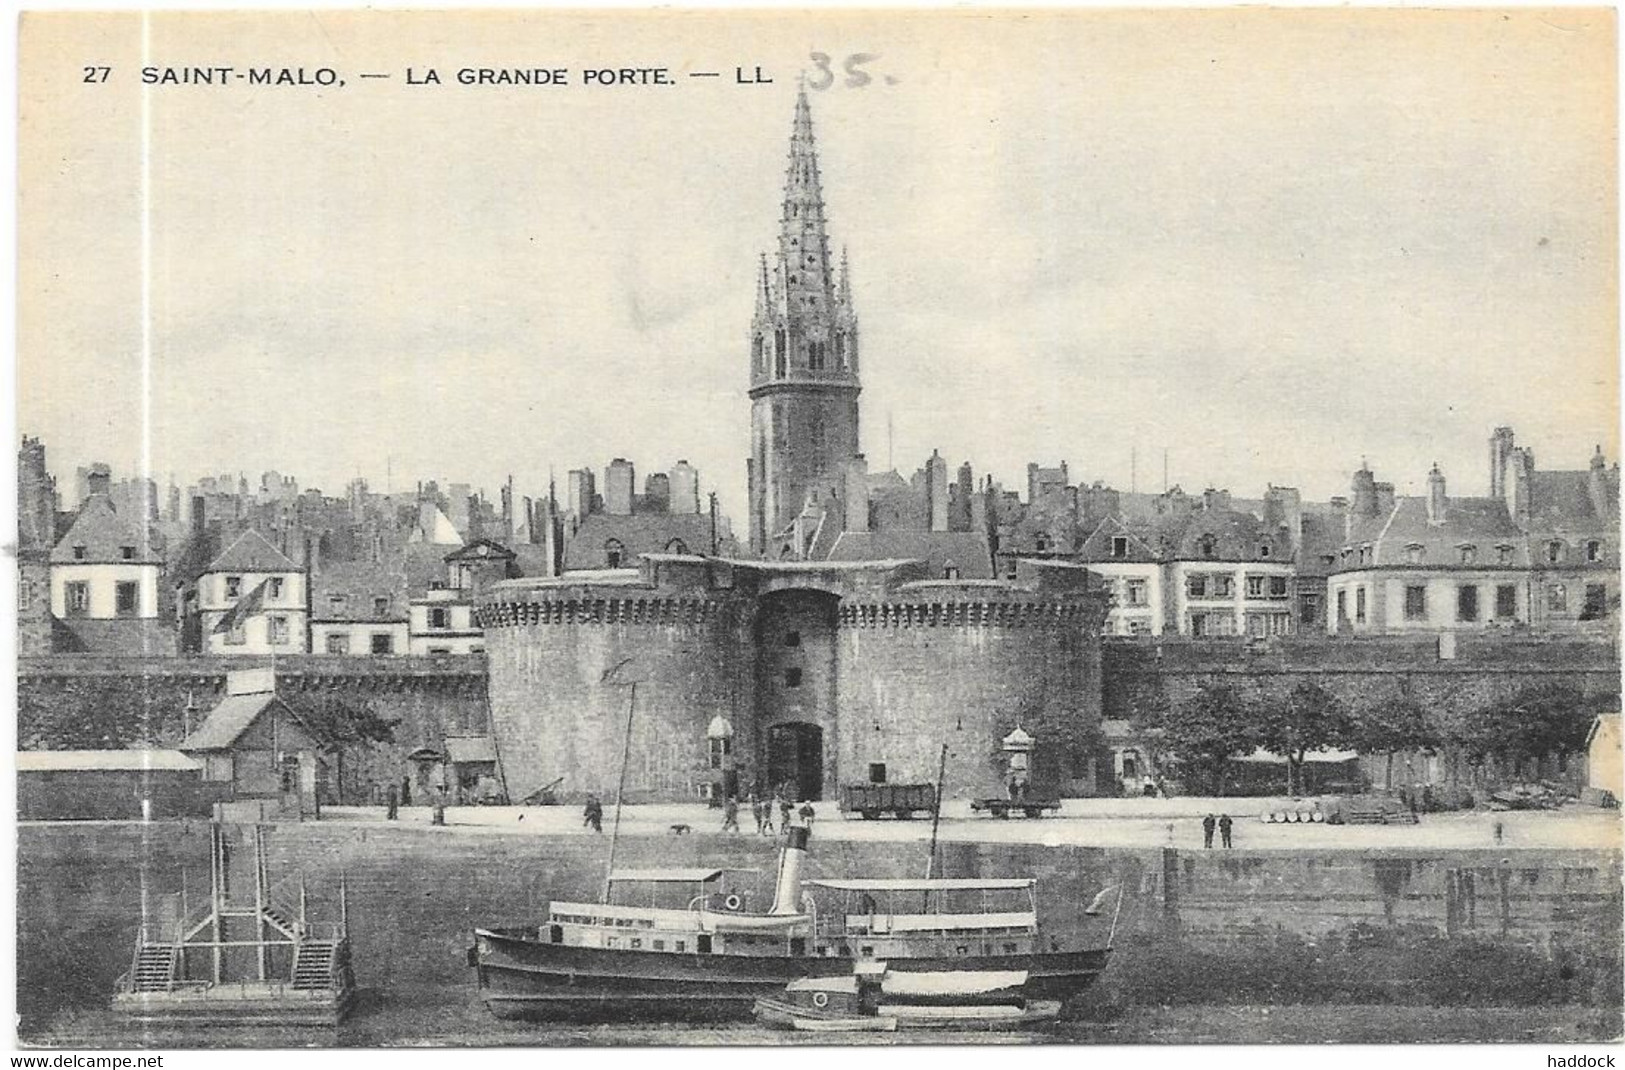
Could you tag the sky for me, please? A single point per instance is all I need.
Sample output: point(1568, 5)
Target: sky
point(1269, 243)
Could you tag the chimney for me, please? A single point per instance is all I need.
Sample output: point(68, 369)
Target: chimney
point(1597, 484)
point(619, 481)
point(199, 515)
point(936, 491)
point(98, 480)
point(684, 488)
point(1436, 498)
point(1215, 500)
point(1501, 445)
point(1363, 490)
point(857, 494)
point(1283, 508)
point(1385, 498)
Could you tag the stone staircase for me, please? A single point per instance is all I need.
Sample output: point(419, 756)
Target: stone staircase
point(313, 965)
point(155, 968)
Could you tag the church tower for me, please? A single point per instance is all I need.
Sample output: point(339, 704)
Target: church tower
point(803, 363)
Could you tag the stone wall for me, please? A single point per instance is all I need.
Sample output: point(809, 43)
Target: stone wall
point(416, 893)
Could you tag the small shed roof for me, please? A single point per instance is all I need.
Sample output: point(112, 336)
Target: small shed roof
point(53, 761)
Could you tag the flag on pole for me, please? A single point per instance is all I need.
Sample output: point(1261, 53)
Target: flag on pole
point(1100, 900)
point(246, 607)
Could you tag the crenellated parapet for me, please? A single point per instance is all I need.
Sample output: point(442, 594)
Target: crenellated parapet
point(969, 614)
point(652, 609)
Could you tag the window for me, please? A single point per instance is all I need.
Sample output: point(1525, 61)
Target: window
point(1557, 598)
point(126, 599)
point(1255, 586)
point(950, 571)
point(1359, 605)
point(720, 747)
point(380, 607)
point(25, 595)
point(77, 597)
point(1365, 555)
point(1139, 627)
point(80, 553)
point(1119, 546)
point(778, 352)
point(1278, 587)
point(1506, 601)
point(279, 630)
point(792, 638)
point(815, 356)
point(1041, 543)
point(612, 553)
point(1134, 592)
point(439, 650)
point(338, 643)
point(1467, 603)
point(337, 601)
point(234, 586)
point(1208, 546)
point(1503, 554)
point(1596, 603)
point(792, 677)
point(756, 348)
point(383, 643)
point(1594, 550)
point(127, 553)
point(877, 772)
point(840, 350)
point(1414, 554)
point(439, 617)
point(1554, 552)
point(1469, 555)
point(1416, 602)
point(1222, 586)
point(273, 590)
point(1342, 605)
point(677, 546)
point(238, 636)
point(1196, 586)
point(1263, 549)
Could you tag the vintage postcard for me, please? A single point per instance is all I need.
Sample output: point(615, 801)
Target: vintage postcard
point(549, 528)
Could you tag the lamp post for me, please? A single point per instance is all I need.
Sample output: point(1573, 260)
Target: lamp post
point(719, 736)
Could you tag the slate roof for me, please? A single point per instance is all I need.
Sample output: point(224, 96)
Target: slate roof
point(252, 552)
point(966, 549)
point(638, 533)
point(104, 534)
point(1237, 536)
point(1562, 502)
point(1098, 546)
point(229, 720)
point(358, 585)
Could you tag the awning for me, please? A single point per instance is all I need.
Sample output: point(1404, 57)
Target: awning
point(941, 884)
point(665, 876)
point(463, 749)
point(1314, 757)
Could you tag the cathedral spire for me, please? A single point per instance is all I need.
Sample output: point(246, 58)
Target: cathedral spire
point(803, 244)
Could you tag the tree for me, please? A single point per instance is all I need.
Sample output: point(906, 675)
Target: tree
point(342, 724)
point(1305, 719)
point(1207, 730)
point(1540, 721)
point(1388, 727)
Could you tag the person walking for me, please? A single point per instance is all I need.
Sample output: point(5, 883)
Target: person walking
point(1208, 824)
point(394, 803)
point(756, 812)
point(1224, 829)
point(730, 814)
point(806, 813)
point(783, 806)
point(593, 817)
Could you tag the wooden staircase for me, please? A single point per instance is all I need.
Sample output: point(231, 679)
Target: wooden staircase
point(313, 965)
point(155, 968)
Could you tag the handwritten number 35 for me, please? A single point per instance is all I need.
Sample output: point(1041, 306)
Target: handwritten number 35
point(824, 75)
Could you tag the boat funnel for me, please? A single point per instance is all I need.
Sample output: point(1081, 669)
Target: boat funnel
point(787, 892)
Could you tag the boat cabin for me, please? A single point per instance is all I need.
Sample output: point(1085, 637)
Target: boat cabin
point(680, 911)
point(950, 917)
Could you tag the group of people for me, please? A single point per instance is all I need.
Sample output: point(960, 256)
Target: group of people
point(763, 809)
point(1222, 823)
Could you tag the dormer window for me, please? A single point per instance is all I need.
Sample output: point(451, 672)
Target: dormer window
point(380, 606)
point(950, 571)
point(1504, 554)
point(1469, 555)
point(1554, 552)
point(234, 586)
point(80, 553)
point(677, 546)
point(1414, 554)
point(1119, 546)
point(1263, 549)
point(1594, 550)
point(1365, 555)
point(127, 553)
point(613, 552)
point(1041, 544)
point(1209, 546)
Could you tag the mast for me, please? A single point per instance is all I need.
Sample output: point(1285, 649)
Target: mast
point(936, 813)
point(620, 787)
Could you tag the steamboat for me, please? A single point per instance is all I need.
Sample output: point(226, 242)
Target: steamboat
point(680, 942)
